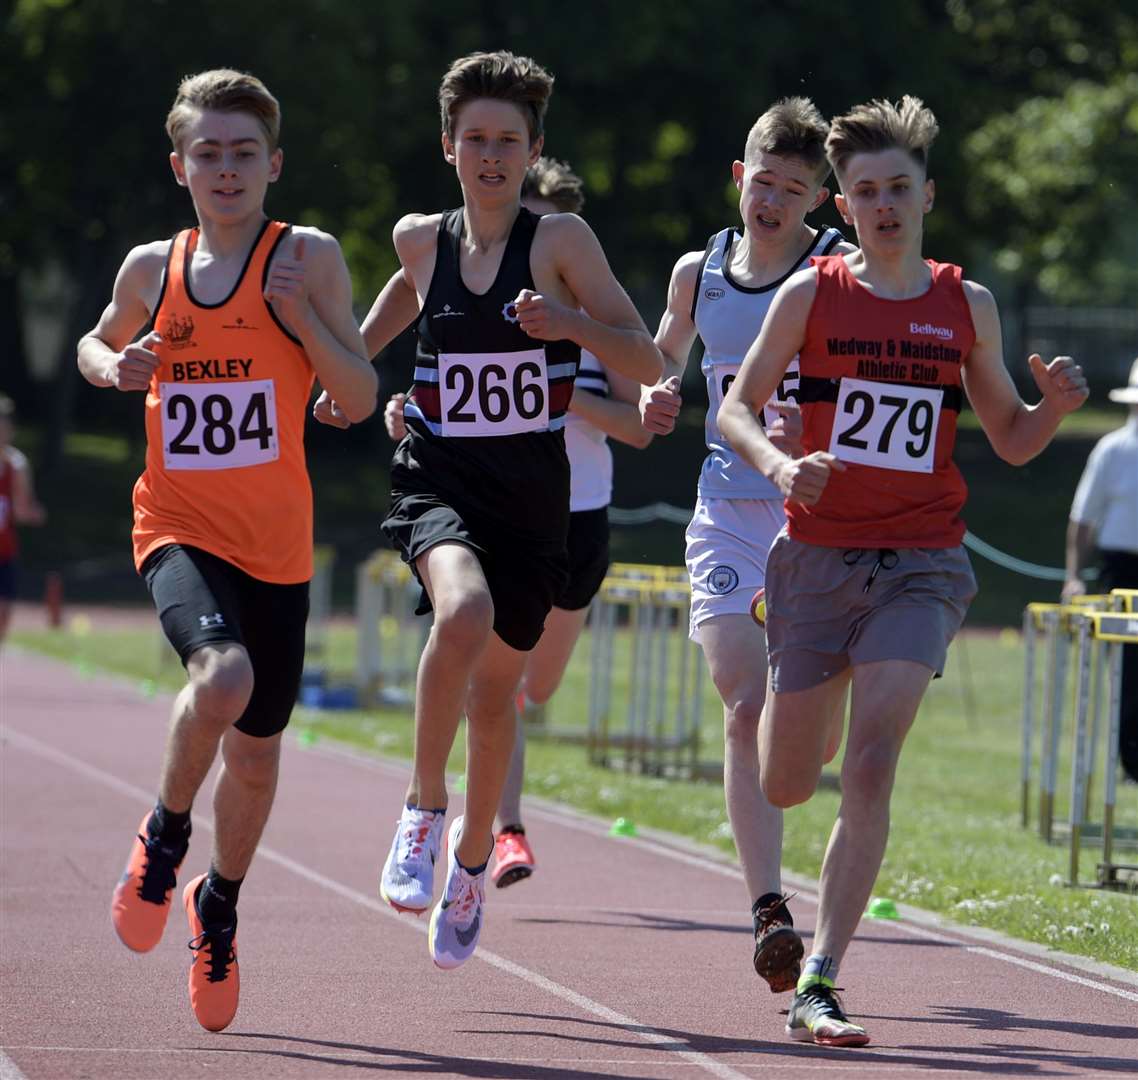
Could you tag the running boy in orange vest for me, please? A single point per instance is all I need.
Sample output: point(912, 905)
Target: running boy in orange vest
point(245, 314)
point(868, 583)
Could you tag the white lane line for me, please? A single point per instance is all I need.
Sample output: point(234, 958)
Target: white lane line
point(829, 1064)
point(8, 1068)
point(647, 1034)
point(1031, 965)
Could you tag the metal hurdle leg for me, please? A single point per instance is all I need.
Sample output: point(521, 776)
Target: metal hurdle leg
point(1098, 668)
point(1056, 683)
point(1079, 767)
point(1028, 715)
point(1114, 650)
point(367, 631)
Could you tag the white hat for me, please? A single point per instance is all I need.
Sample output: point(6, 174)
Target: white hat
point(1128, 395)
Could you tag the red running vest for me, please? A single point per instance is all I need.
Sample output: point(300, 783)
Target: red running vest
point(881, 389)
point(8, 545)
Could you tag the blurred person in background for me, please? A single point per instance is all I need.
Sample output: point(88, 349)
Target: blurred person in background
point(1104, 514)
point(18, 506)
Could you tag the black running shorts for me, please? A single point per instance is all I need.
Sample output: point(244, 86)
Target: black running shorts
point(524, 581)
point(588, 558)
point(203, 600)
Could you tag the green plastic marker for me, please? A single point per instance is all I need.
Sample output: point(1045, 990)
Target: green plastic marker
point(623, 827)
point(881, 907)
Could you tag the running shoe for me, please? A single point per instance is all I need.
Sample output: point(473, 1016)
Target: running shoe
point(456, 921)
point(214, 979)
point(408, 881)
point(778, 948)
point(141, 900)
point(816, 1015)
point(513, 859)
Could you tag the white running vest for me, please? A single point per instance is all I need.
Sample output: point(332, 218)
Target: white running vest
point(590, 459)
point(728, 317)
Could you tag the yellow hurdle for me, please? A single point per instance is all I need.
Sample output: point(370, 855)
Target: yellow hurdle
point(1100, 637)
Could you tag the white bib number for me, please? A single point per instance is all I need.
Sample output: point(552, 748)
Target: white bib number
point(220, 425)
point(886, 425)
point(494, 393)
point(787, 389)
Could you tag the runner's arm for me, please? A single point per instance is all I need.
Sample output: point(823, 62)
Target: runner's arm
point(606, 323)
point(106, 356)
point(660, 404)
point(397, 304)
point(617, 415)
point(311, 290)
point(394, 309)
point(783, 333)
point(1017, 431)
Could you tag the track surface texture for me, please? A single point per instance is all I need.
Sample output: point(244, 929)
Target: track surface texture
point(618, 958)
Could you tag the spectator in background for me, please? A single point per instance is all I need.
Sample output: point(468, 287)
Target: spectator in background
point(18, 506)
point(1105, 514)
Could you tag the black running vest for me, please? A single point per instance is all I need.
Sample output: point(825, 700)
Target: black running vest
point(486, 413)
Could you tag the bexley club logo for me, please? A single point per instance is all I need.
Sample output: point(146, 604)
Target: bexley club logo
point(178, 333)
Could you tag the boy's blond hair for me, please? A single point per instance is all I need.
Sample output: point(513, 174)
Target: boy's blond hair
point(792, 127)
point(500, 75)
point(553, 180)
point(880, 125)
point(223, 90)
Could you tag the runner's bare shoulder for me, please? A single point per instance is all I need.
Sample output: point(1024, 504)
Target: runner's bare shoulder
point(416, 235)
point(140, 276)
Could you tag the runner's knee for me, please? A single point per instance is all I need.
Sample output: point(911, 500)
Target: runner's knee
point(463, 621)
point(867, 772)
point(785, 788)
point(222, 682)
point(741, 722)
point(253, 762)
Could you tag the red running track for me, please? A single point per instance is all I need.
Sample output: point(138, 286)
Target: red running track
point(619, 958)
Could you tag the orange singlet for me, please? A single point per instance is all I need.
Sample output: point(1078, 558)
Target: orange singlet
point(225, 413)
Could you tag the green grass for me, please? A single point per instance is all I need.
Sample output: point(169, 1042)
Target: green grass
point(956, 845)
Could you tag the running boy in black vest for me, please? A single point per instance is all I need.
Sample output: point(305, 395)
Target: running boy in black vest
point(480, 483)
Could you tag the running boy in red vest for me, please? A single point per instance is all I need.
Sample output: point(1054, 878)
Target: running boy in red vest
point(246, 312)
point(869, 583)
point(480, 482)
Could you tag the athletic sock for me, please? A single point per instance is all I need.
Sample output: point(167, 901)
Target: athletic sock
point(818, 968)
point(516, 830)
point(427, 809)
point(173, 829)
point(473, 871)
point(217, 900)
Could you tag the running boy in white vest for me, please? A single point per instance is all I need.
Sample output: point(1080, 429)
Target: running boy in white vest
point(722, 295)
point(869, 582)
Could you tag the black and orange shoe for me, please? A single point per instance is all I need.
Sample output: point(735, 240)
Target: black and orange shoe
point(778, 948)
point(816, 1015)
point(141, 901)
point(214, 978)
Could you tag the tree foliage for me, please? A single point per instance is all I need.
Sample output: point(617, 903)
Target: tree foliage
point(652, 102)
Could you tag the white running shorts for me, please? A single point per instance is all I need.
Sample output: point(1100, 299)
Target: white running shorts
point(727, 545)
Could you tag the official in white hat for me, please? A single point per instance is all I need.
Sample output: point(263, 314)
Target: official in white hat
point(1105, 515)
